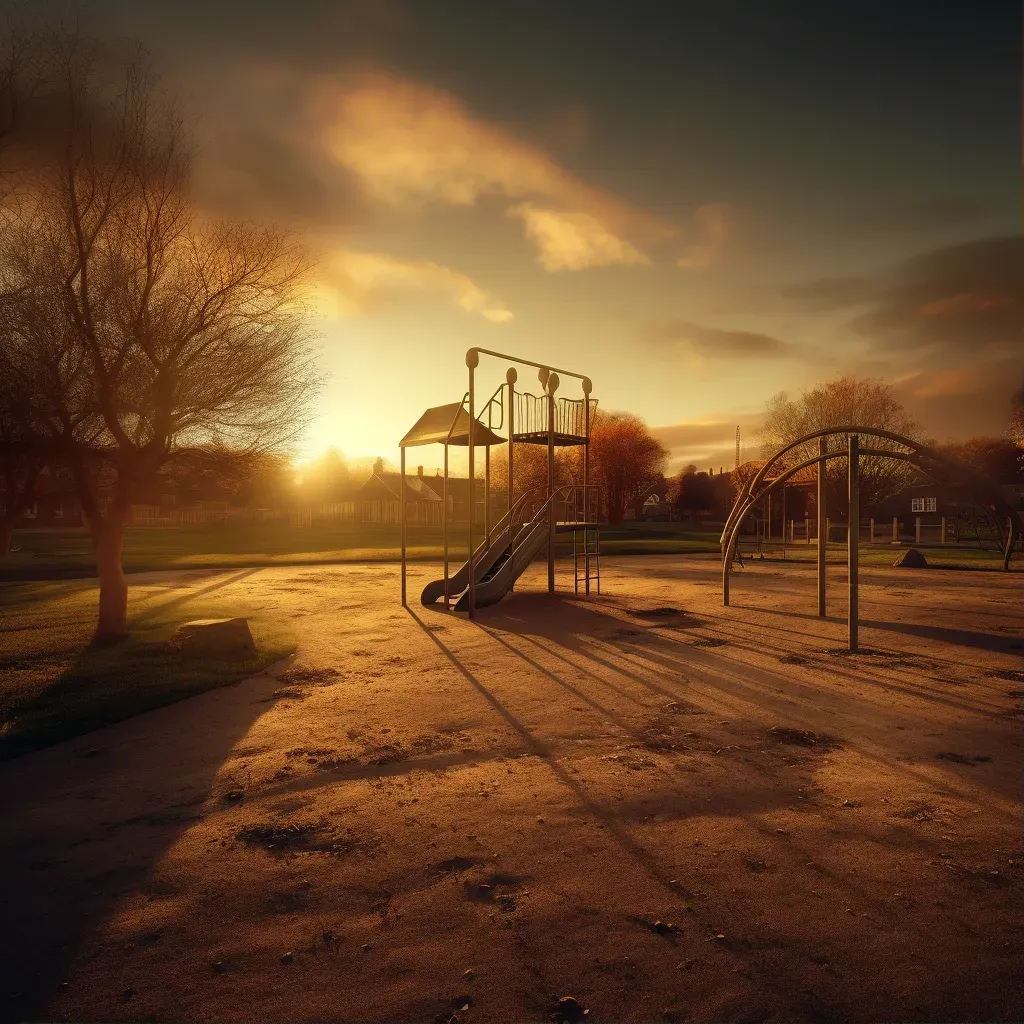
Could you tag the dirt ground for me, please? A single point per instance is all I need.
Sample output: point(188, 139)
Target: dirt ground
point(666, 809)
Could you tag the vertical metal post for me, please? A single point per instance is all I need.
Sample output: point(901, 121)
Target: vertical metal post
point(510, 377)
point(871, 531)
point(552, 384)
point(487, 494)
point(447, 596)
point(942, 535)
point(807, 530)
point(822, 524)
point(401, 514)
point(587, 387)
point(853, 540)
point(768, 519)
point(472, 360)
point(917, 530)
point(783, 524)
point(895, 529)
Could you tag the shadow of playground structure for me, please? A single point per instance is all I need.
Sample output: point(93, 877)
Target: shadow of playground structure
point(125, 795)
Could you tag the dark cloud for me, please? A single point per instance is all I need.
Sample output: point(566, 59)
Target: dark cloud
point(960, 301)
point(965, 401)
point(926, 215)
point(256, 172)
point(829, 292)
point(682, 336)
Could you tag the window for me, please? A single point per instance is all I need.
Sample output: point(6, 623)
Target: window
point(58, 511)
point(923, 505)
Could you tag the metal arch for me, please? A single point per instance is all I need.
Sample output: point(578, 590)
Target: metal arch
point(920, 457)
point(953, 466)
point(734, 533)
point(759, 476)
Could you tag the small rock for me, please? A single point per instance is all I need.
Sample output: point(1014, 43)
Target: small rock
point(217, 966)
point(850, 803)
point(911, 559)
point(366, 947)
point(63, 986)
point(217, 638)
point(568, 1011)
point(468, 974)
point(328, 936)
point(287, 958)
point(719, 937)
point(234, 794)
point(127, 994)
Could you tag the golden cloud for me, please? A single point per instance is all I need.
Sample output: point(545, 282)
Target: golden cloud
point(410, 145)
point(573, 241)
point(714, 224)
point(963, 380)
point(352, 279)
point(964, 302)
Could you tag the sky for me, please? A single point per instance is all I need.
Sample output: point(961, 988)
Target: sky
point(697, 204)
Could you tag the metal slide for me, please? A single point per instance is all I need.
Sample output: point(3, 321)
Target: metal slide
point(459, 580)
point(487, 555)
point(504, 571)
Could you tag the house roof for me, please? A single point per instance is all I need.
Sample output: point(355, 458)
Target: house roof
point(386, 486)
point(448, 423)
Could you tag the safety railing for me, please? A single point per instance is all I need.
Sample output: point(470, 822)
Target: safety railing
point(570, 414)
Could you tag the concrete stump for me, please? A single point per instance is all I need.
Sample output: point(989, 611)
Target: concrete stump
point(911, 559)
point(217, 638)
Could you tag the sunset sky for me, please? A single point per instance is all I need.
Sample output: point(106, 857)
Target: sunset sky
point(696, 203)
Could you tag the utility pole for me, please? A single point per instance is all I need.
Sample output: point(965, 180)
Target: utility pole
point(737, 466)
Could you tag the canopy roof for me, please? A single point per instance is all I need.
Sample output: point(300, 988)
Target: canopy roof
point(433, 426)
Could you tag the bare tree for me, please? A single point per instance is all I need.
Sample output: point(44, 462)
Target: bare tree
point(625, 460)
point(841, 402)
point(139, 327)
point(1016, 427)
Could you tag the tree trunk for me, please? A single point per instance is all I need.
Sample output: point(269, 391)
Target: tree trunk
point(6, 533)
point(108, 540)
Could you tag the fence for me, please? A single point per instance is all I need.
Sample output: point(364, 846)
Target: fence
point(877, 532)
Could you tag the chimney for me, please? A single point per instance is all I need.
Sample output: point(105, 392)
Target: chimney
point(711, 471)
point(378, 466)
point(419, 471)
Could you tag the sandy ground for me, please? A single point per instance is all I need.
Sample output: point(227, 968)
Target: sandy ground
point(707, 814)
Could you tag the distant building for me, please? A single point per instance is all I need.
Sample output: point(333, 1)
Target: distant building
point(378, 499)
point(651, 504)
point(55, 503)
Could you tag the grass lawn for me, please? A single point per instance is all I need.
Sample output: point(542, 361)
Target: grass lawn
point(939, 556)
point(54, 686)
point(67, 554)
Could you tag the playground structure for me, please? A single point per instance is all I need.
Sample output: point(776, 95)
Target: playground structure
point(924, 458)
point(532, 520)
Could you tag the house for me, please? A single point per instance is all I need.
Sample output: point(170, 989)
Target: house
point(651, 504)
point(55, 503)
point(378, 498)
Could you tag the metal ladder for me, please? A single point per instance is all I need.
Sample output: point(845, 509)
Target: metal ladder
point(588, 557)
